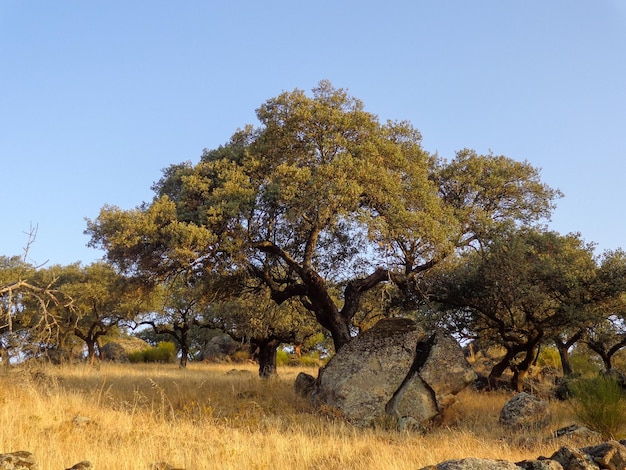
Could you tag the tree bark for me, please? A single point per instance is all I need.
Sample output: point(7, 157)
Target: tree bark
point(184, 348)
point(500, 367)
point(91, 349)
point(563, 347)
point(520, 370)
point(267, 357)
point(566, 365)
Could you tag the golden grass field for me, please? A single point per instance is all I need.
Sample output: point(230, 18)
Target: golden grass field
point(132, 416)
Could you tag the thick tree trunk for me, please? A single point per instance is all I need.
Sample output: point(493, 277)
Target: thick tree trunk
point(563, 347)
point(184, 351)
point(500, 367)
point(601, 351)
point(267, 357)
point(99, 343)
point(566, 365)
point(520, 371)
point(91, 349)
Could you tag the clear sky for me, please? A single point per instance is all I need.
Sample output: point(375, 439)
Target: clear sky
point(96, 97)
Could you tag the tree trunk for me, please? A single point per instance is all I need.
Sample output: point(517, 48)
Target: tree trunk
point(520, 371)
point(601, 351)
point(267, 357)
point(184, 350)
point(563, 347)
point(500, 367)
point(91, 349)
point(99, 343)
point(566, 365)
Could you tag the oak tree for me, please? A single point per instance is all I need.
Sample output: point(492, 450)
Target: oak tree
point(321, 196)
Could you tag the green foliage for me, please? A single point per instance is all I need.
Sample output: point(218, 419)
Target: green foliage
point(283, 358)
point(599, 403)
point(584, 365)
point(165, 351)
point(311, 360)
point(549, 357)
point(240, 356)
point(321, 203)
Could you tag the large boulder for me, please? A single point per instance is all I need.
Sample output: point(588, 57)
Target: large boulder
point(474, 464)
point(219, 348)
point(121, 348)
point(525, 411)
point(393, 370)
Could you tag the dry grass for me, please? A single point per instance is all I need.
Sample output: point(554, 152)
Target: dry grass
point(205, 418)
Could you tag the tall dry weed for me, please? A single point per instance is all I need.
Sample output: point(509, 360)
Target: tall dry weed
point(209, 417)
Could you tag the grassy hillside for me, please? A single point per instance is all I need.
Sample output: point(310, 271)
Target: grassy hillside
point(131, 416)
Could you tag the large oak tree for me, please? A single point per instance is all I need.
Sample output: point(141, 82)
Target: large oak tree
point(321, 203)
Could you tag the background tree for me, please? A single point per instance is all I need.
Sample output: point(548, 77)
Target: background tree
point(607, 336)
point(321, 195)
point(255, 318)
point(102, 300)
point(28, 295)
point(523, 289)
point(181, 304)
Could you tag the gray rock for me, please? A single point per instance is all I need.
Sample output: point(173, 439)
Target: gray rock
point(393, 369)
point(118, 351)
point(540, 464)
point(219, 348)
point(243, 373)
point(576, 435)
point(611, 455)
point(81, 421)
point(20, 460)
point(84, 465)
point(164, 466)
point(474, 464)
point(304, 384)
point(525, 411)
point(573, 459)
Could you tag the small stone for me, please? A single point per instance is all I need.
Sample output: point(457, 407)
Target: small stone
point(84, 465)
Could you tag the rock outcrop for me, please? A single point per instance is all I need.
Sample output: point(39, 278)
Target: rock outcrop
point(525, 411)
point(609, 455)
point(20, 460)
point(394, 370)
point(118, 351)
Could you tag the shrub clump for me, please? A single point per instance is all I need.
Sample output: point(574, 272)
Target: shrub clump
point(165, 351)
point(599, 404)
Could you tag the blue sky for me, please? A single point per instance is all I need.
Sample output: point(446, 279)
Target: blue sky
point(96, 97)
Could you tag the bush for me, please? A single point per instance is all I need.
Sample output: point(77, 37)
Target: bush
point(165, 351)
point(584, 365)
point(240, 356)
point(283, 358)
point(549, 357)
point(599, 404)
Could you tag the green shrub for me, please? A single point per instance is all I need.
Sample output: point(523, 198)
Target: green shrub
point(137, 356)
point(599, 404)
point(584, 365)
point(240, 356)
point(282, 357)
point(549, 357)
point(165, 351)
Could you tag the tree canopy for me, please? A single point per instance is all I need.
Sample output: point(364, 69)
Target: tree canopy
point(525, 288)
point(321, 203)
